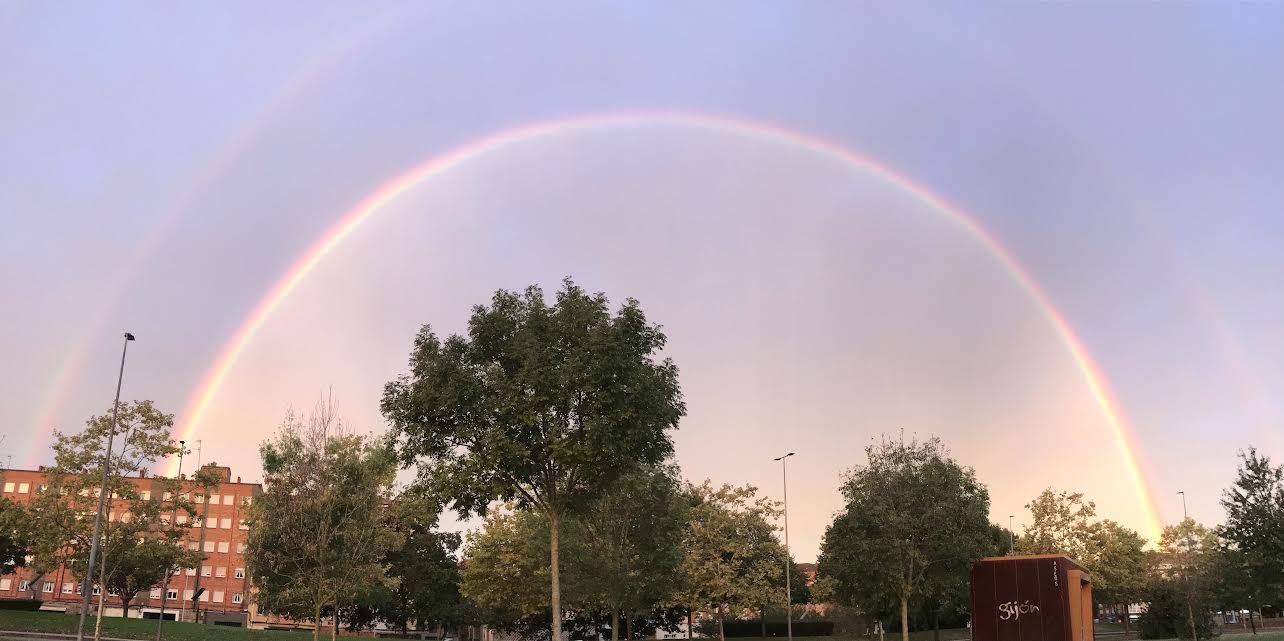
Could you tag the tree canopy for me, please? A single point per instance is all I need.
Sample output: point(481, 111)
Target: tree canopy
point(914, 521)
point(544, 405)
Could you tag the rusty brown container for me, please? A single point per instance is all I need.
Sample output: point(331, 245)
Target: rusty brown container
point(1045, 597)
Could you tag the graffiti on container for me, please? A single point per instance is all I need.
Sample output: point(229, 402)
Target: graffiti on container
point(1014, 609)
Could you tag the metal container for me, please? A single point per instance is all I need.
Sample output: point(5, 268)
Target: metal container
point(1045, 597)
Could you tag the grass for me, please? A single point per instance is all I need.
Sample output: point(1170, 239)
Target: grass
point(14, 620)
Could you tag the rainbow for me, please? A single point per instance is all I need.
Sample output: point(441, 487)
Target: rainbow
point(374, 202)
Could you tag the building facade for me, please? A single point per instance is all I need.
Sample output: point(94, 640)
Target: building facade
point(221, 536)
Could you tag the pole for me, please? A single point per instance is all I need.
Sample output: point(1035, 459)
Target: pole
point(102, 500)
point(1184, 515)
point(1011, 535)
point(182, 446)
point(789, 597)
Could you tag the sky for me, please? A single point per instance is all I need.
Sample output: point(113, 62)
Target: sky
point(1032, 178)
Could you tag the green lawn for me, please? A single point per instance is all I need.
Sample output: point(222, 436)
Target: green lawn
point(13, 620)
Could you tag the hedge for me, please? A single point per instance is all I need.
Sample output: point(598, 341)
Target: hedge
point(742, 628)
point(29, 605)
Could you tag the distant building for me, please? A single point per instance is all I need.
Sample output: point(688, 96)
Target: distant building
point(221, 536)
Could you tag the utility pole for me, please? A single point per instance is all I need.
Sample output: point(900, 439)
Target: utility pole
point(87, 586)
point(789, 562)
point(182, 449)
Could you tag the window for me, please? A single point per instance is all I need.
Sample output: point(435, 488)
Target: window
point(211, 522)
point(165, 519)
point(171, 593)
point(240, 548)
point(200, 498)
point(228, 499)
point(182, 518)
point(23, 585)
point(205, 570)
point(247, 501)
point(222, 546)
point(193, 545)
point(226, 524)
point(236, 597)
point(23, 488)
point(97, 590)
point(187, 595)
point(167, 496)
point(240, 573)
point(47, 588)
point(145, 495)
point(5, 584)
point(244, 525)
point(8, 487)
point(126, 517)
point(155, 593)
point(220, 572)
point(111, 516)
point(205, 596)
point(80, 589)
point(218, 597)
point(67, 587)
point(191, 572)
point(42, 487)
point(112, 592)
point(209, 546)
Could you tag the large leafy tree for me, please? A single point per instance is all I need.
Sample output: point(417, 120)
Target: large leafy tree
point(544, 405)
point(1254, 528)
point(914, 521)
point(1120, 566)
point(315, 535)
point(730, 555)
point(1061, 523)
point(1189, 560)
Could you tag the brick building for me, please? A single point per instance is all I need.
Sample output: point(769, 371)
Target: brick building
point(221, 537)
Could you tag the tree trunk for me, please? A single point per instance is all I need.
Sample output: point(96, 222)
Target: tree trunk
point(1251, 622)
point(722, 635)
point(904, 618)
point(124, 608)
point(556, 577)
point(690, 624)
point(615, 625)
point(316, 621)
point(762, 618)
point(1190, 611)
point(936, 625)
point(334, 620)
point(628, 626)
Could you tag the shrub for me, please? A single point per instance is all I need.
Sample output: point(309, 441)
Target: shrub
point(1167, 615)
point(28, 605)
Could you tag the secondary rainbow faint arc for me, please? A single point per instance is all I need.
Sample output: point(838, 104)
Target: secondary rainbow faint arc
point(213, 378)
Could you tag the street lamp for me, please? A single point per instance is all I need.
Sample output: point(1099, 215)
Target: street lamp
point(182, 449)
point(87, 585)
point(789, 597)
point(1011, 535)
point(1184, 516)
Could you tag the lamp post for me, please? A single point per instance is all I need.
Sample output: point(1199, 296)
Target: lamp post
point(789, 597)
point(102, 501)
point(1184, 515)
point(1011, 535)
point(182, 449)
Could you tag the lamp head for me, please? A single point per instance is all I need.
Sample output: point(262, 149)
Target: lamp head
point(128, 336)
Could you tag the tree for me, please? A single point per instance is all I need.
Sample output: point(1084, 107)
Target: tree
point(1061, 523)
point(915, 520)
point(541, 405)
point(15, 543)
point(1120, 566)
point(61, 516)
point(1189, 552)
point(1254, 528)
point(314, 532)
point(730, 555)
point(422, 570)
point(631, 543)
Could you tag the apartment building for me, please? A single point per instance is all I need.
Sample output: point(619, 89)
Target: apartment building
point(221, 536)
